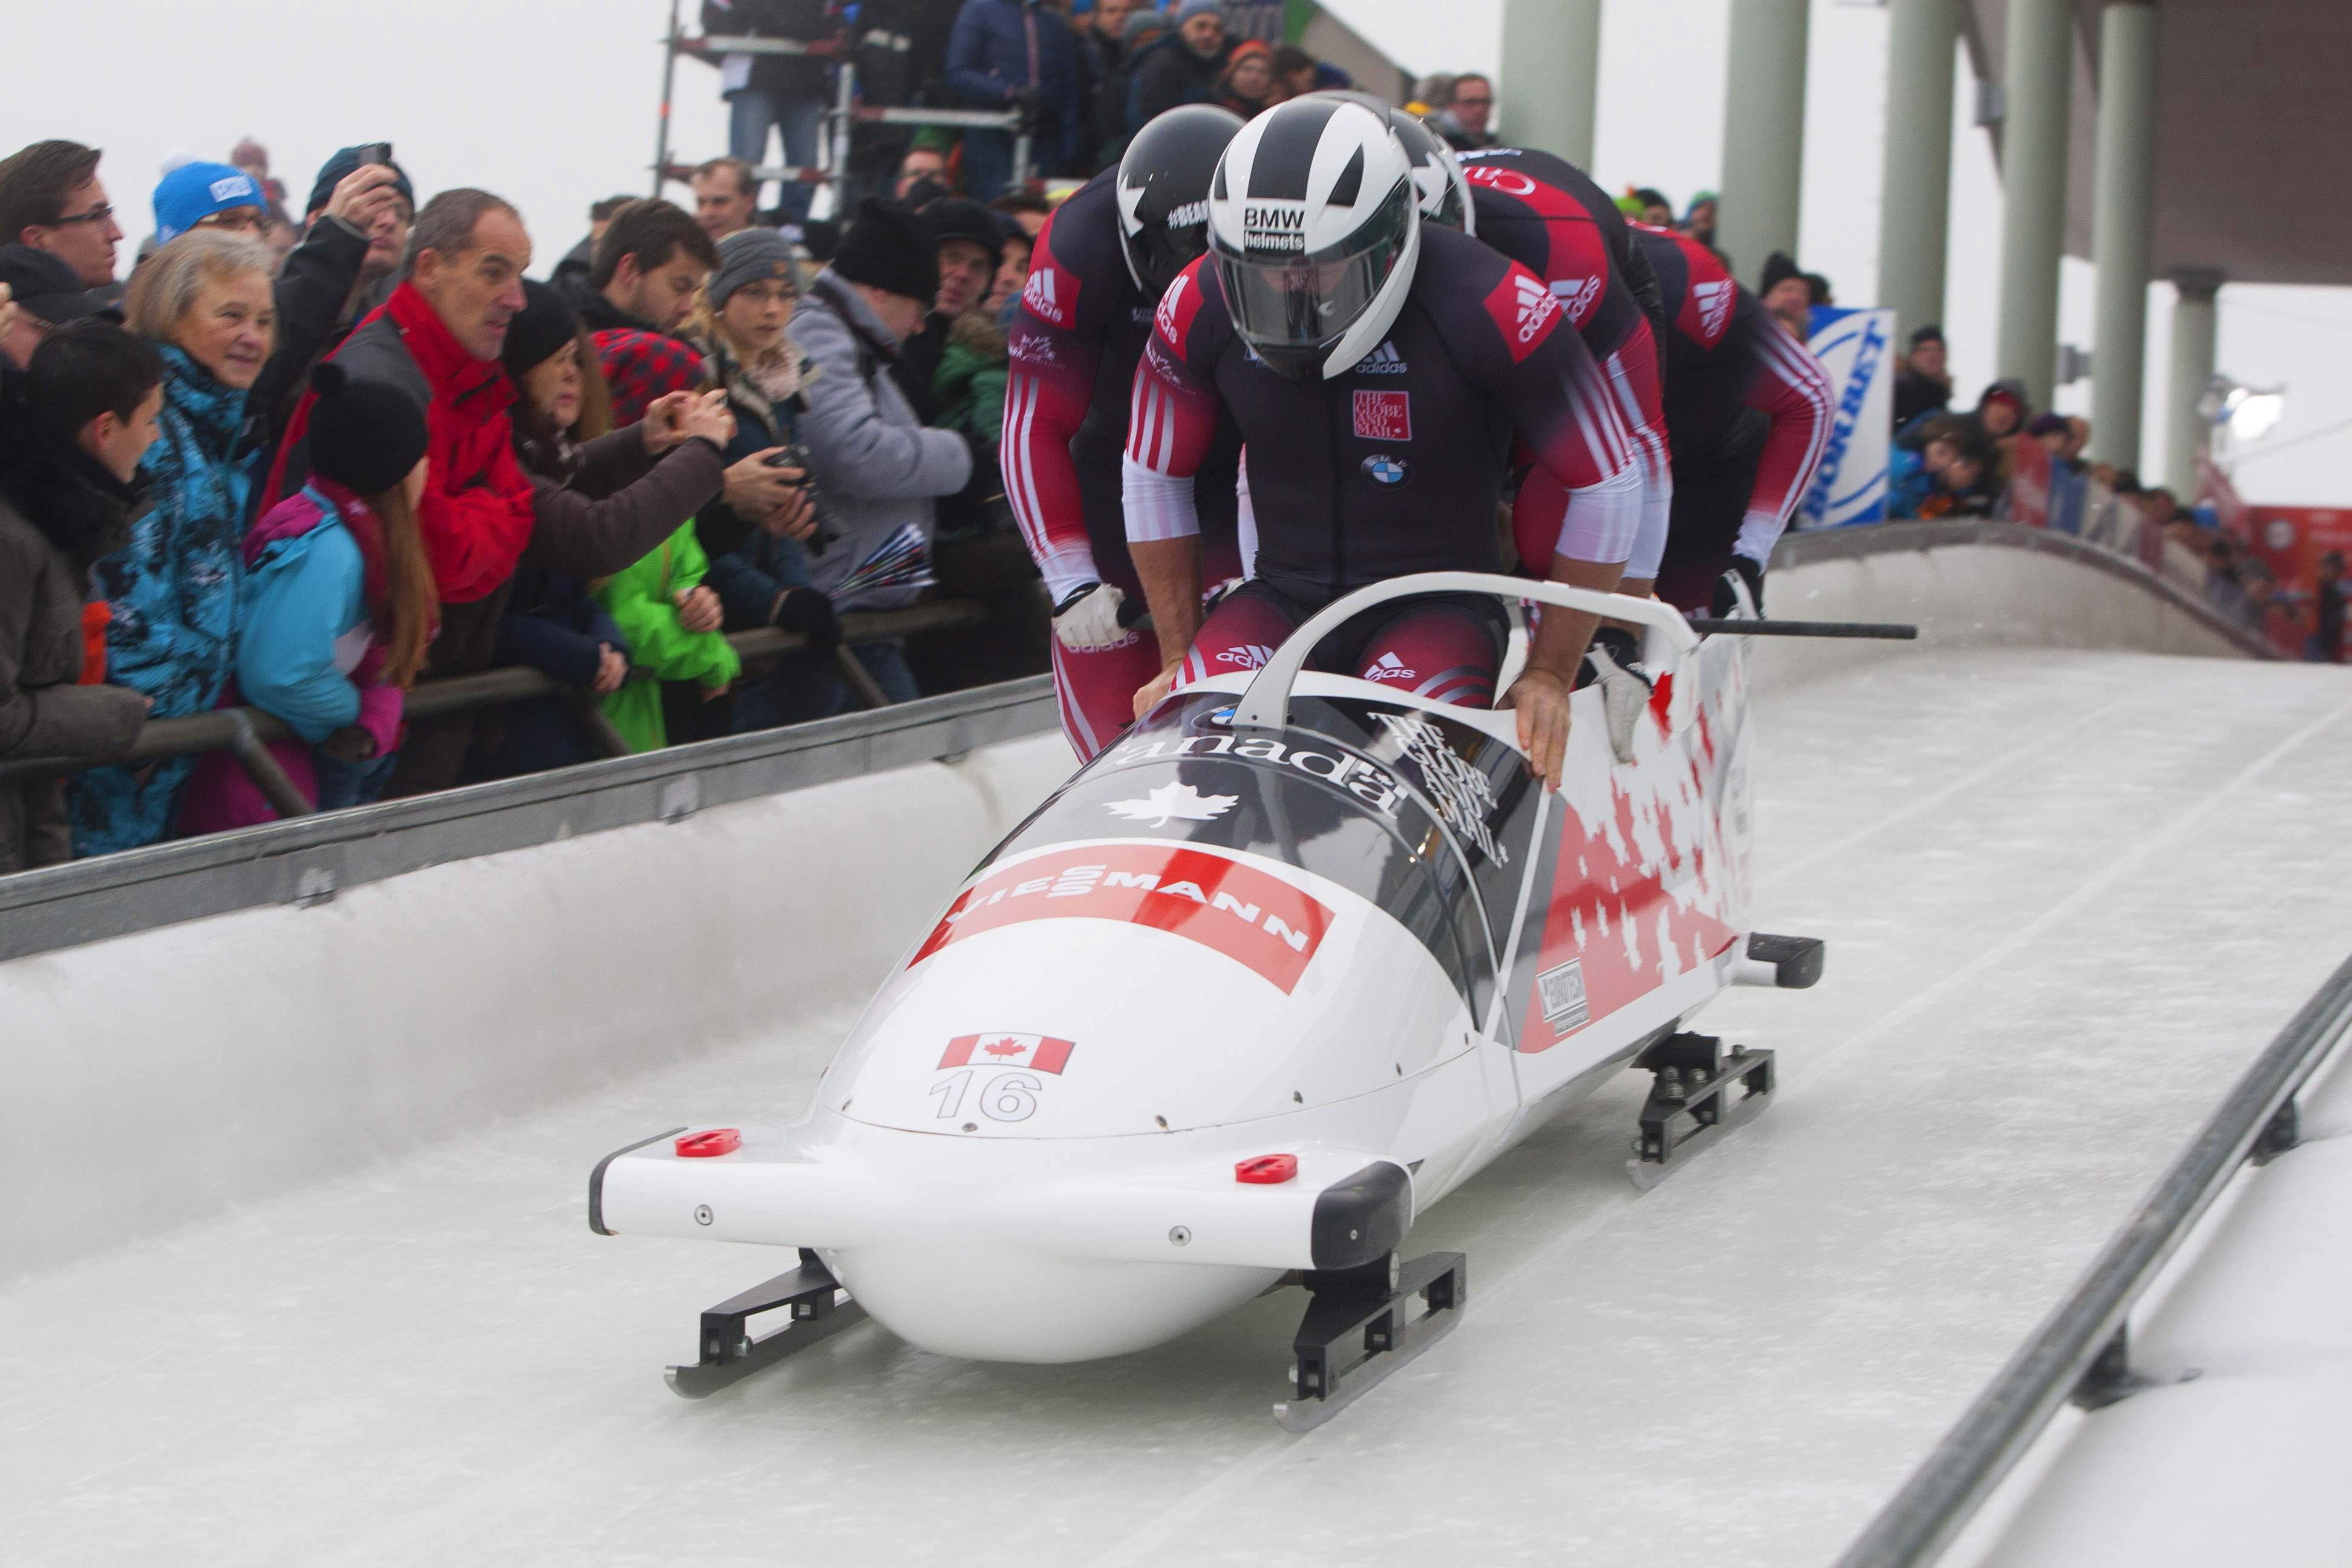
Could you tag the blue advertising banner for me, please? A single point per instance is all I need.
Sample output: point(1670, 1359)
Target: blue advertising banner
point(1856, 348)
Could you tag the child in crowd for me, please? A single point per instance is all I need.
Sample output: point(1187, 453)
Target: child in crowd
point(671, 622)
point(70, 451)
point(336, 608)
point(588, 479)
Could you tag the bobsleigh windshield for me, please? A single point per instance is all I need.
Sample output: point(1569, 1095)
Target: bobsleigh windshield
point(1425, 818)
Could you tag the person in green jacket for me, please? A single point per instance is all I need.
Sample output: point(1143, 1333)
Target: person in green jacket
point(969, 385)
point(671, 620)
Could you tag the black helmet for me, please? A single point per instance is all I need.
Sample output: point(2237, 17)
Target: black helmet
point(1162, 186)
point(1436, 173)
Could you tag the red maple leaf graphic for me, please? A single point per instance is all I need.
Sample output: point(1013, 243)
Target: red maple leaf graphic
point(1006, 1047)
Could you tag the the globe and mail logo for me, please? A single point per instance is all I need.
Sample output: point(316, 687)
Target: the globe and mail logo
point(1386, 469)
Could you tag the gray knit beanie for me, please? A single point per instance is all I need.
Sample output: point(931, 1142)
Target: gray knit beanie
point(750, 257)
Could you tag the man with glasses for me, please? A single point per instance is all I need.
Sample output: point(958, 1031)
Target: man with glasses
point(50, 199)
point(48, 294)
point(1464, 123)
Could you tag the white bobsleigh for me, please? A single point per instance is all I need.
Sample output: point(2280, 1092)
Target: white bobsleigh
point(1293, 960)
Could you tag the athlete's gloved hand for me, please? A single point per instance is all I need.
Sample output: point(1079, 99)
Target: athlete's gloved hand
point(1089, 617)
point(1624, 685)
point(1746, 573)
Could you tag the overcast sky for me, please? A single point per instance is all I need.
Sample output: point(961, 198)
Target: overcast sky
point(554, 106)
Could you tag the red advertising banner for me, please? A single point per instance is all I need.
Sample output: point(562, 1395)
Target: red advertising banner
point(2290, 539)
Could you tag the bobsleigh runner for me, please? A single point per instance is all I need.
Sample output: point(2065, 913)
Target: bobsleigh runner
point(1284, 967)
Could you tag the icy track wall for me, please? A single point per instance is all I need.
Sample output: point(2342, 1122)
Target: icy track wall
point(159, 1077)
point(156, 1077)
point(1972, 583)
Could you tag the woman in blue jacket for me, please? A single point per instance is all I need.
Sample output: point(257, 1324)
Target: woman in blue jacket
point(204, 300)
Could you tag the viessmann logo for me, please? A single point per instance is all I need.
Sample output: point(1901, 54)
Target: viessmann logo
point(1254, 919)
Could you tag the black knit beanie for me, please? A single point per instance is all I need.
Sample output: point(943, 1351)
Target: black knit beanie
point(955, 219)
point(364, 435)
point(538, 331)
point(887, 247)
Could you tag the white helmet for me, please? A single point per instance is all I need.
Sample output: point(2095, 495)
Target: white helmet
point(1314, 223)
point(1436, 173)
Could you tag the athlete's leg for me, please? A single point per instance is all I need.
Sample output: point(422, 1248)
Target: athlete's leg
point(1709, 505)
point(1633, 372)
point(1447, 649)
point(1096, 689)
point(1240, 633)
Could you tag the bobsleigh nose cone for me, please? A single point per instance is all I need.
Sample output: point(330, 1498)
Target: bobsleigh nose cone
point(985, 1304)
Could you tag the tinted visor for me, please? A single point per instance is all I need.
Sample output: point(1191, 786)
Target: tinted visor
point(1310, 300)
point(1158, 252)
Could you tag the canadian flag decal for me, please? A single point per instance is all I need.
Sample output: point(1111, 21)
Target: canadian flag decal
point(1040, 1053)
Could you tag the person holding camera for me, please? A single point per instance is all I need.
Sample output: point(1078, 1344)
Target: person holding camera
point(878, 467)
point(1016, 55)
point(752, 533)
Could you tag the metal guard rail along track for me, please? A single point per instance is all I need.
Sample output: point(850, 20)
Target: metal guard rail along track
point(248, 730)
point(2081, 1352)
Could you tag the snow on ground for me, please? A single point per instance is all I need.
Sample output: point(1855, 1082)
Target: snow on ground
point(2067, 896)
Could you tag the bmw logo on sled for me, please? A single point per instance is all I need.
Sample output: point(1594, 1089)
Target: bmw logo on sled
point(1291, 962)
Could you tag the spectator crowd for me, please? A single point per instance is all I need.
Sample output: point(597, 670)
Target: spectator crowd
point(305, 457)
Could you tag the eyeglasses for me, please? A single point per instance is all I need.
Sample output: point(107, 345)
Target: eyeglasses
point(1474, 103)
point(95, 214)
point(230, 223)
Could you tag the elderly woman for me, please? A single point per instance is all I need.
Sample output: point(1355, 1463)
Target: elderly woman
point(205, 301)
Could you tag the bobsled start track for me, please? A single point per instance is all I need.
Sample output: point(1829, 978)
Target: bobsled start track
point(298, 1272)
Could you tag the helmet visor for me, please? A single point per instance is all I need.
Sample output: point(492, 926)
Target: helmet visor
point(1309, 300)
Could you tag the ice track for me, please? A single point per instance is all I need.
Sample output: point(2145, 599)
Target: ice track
point(2067, 895)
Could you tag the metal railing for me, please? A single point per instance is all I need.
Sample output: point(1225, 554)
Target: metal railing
point(2082, 1351)
point(833, 168)
point(247, 732)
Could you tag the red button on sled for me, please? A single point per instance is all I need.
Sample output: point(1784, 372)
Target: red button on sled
point(703, 1145)
point(1267, 1170)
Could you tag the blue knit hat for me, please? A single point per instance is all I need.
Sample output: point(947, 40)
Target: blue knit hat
point(194, 191)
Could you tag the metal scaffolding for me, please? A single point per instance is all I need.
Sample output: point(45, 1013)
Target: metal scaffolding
point(832, 168)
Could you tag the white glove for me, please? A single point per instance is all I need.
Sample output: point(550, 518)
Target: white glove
point(1625, 693)
point(1092, 619)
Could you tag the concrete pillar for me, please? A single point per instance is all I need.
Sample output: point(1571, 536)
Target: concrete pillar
point(1763, 133)
point(2125, 226)
point(1913, 216)
point(2037, 64)
point(2192, 369)
point(1550, 90)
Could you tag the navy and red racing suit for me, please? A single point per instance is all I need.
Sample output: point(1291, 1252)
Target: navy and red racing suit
point(1074, 347)
point(1394, 466)
point(1747, 413)
point(1547, 215)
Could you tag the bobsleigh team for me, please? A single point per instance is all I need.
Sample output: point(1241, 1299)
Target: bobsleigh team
point(1258, 366)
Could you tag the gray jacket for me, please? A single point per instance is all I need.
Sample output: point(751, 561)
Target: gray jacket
point(877, 468)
